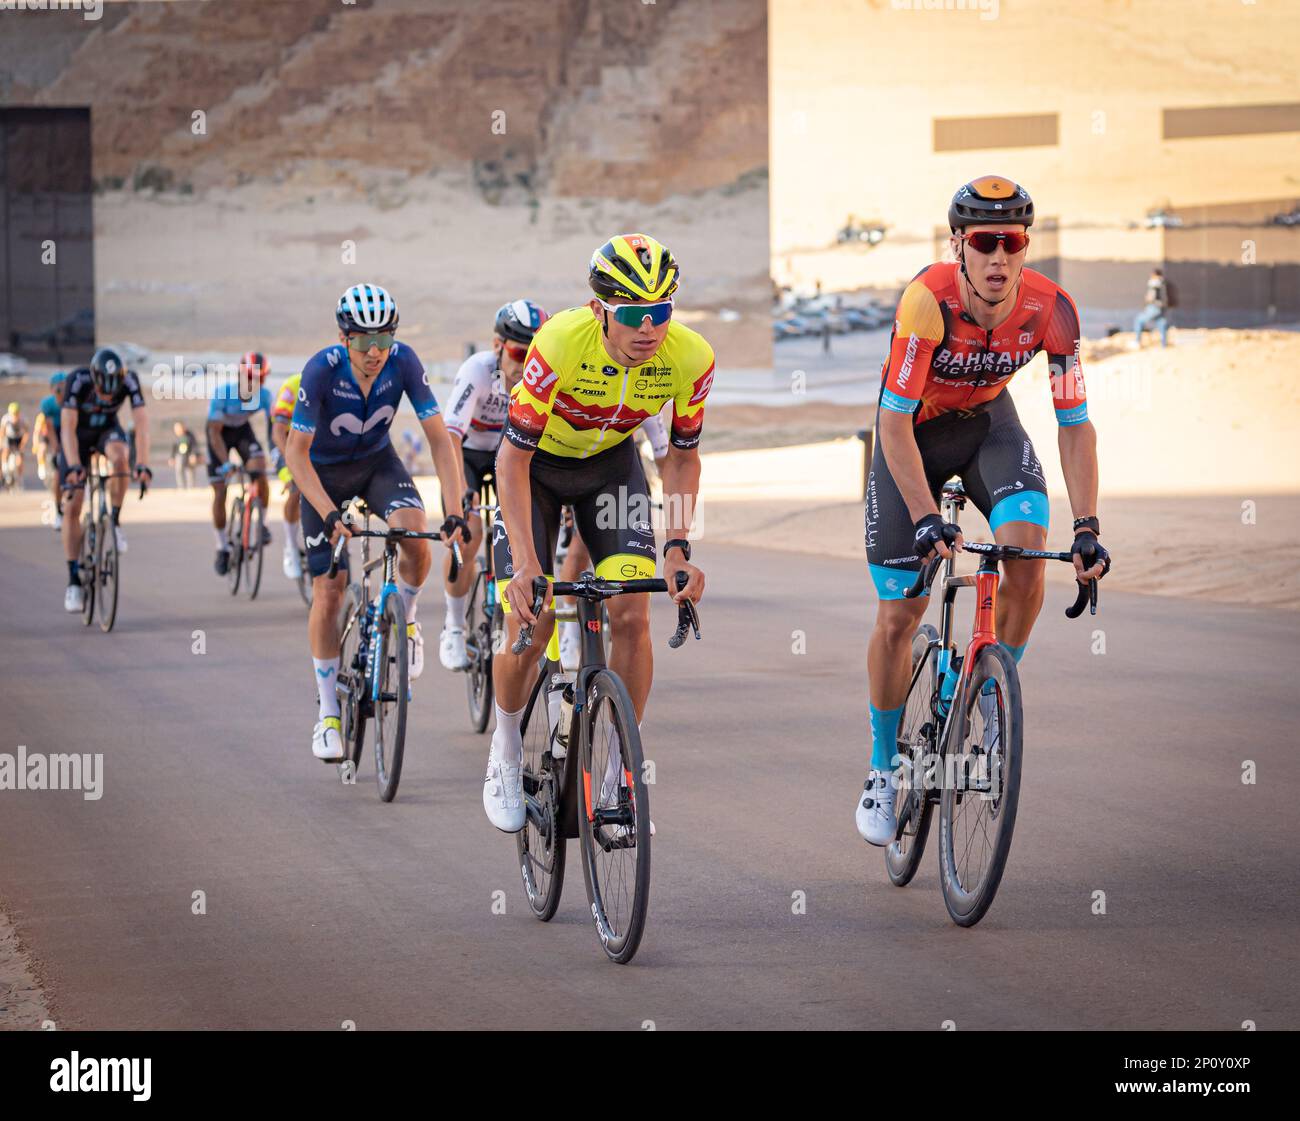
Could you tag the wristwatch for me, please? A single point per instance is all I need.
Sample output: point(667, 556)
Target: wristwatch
point(678, 543)
point(1090, 522)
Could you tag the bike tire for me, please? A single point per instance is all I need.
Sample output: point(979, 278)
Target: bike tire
point(388, 723)
point(304, 573)
point(969, 898)
point(234, 542)
point(478, 678)
point(88, 569)
point(541, 844)
point(352, 678)
point(605, 876)
point(254, 551)
point(917, 736)
point(106, 574)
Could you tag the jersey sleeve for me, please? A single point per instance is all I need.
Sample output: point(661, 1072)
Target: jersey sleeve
point(532, 398)
point(917, 330)
point(415, 380)
point(316, 378)
point(285, 400)
point(1069, 397)
point(133, 391)
point(465, 393)
point(74, 395)
point(688, 403)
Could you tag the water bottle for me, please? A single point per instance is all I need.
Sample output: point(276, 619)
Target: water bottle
point(558, 714)
point(948, 683)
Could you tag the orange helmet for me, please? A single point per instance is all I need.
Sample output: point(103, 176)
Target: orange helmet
point(255, 364)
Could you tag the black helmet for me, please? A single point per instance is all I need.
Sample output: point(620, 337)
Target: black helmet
point(990, 199)
point(107, 369)
point(518, 320)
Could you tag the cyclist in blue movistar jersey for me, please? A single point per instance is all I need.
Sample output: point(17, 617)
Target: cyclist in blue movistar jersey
point(338, 448)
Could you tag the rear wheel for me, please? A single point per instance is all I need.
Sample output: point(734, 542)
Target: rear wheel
point(917, 737)
point(253, 551)
point(541, 842)
point(234, 542)
point(478, 678)
point(614, 817)
point(107, 574)
point(388, 727)
point(981, 788)
point(353, 702)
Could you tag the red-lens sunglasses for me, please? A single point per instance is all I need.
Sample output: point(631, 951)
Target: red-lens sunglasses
point(987, 241)
point(516, 352)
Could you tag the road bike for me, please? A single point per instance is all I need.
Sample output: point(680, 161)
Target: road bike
point(374, 677)
point(98, 565)
point(244, 533)
point(583, 773)
point(960, 740)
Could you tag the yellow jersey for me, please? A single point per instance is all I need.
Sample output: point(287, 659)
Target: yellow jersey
point(575, 401)
point(286, 399)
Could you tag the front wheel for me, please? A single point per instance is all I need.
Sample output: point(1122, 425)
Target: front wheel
point(253, 551)
point(614, 817)
point(235, 544)
point(917, 737)
point(478, 645)
point(87, 569)
point(107, 574)
point(391, 679)
point(981, 787)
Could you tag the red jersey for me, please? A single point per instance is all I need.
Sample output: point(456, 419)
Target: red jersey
point(942, 360)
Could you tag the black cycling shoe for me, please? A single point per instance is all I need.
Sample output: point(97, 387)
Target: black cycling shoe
point(266, 535)
point(222, 563)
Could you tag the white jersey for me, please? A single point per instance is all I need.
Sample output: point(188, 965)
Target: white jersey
point(479, 403)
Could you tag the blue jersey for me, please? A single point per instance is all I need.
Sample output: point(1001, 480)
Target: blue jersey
point(347, 424)
point(52, 410)
point(232, 410)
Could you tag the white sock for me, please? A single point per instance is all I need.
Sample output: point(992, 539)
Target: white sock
point(507, 742)
point(613, 762)
point(409, 595)
point(219, 536)
point(456, 610)
point(327, 674)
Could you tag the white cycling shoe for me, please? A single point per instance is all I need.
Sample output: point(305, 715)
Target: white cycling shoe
point(292, 564)
point(120, 538)
point(503, 795)
point(327, 740)
point(451, 649)
point(74, 599)
point(414, 651)
point(875, 816)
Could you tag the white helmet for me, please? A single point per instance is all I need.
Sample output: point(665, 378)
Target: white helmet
point(366, 307)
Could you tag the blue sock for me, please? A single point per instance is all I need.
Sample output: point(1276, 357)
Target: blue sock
point(884, 737)
point(1017, 652)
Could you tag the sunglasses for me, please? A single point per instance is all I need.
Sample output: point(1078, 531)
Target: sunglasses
point(363, 343)
point(633, 315)
point(987, 241)
point(516, 352)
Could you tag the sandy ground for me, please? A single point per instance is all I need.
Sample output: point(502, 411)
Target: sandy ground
point(22, 1001)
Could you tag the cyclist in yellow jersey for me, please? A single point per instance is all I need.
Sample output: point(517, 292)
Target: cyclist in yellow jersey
point(281, 419)
point(593, 375)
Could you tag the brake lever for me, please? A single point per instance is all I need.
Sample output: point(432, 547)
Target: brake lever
point(525, 639)
point(687, 618)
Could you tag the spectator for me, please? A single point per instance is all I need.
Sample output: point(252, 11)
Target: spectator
point(185, 456)
point(1156, 311)
point(412, 446)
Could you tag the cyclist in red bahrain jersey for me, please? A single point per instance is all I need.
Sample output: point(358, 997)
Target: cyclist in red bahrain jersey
point(962, 330)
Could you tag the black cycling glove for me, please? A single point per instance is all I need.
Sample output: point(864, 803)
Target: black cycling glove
point(454, 522)
point(1089, 550)
point(932, 529)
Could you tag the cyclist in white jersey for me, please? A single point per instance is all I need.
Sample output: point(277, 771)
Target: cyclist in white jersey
point(480, 399)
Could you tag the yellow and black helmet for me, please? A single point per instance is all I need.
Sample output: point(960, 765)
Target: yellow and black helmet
point(990, 199)
point(633, 267)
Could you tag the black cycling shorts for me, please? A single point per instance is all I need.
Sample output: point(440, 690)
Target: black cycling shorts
point(477, 464)
point(238, 436)
point(379, 479)
point(990, 451)
point(89, 441)
point(611, 509)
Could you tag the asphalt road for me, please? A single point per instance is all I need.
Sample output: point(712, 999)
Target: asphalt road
point(324, 905)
